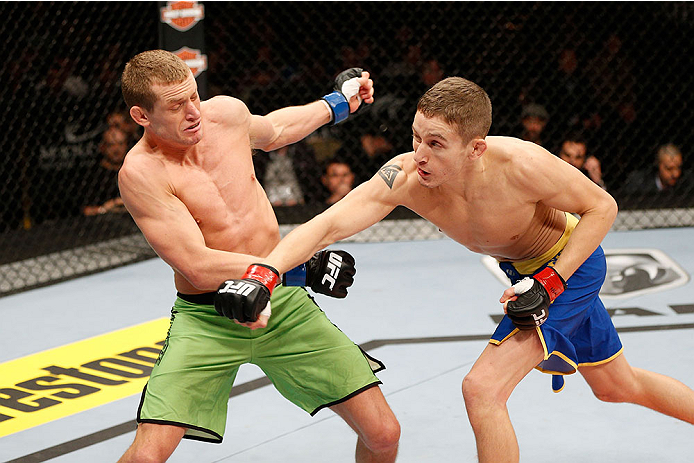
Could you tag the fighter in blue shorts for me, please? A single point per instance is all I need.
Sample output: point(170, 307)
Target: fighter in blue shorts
point(513, 200)
point(578, 331)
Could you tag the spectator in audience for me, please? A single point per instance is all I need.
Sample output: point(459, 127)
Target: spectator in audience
point(574, 151)
point(291, 177)
point(534, 119)
point(121, 120)
point(376, 149)
point(280, 180)
point(611, 72)
point(101, 184)
point(63, 79)
point(377, 138)
point(405, 72)
point(324, 144)
point(613, 84)
point(65, 142)
point(431, 72)
point(338, 179)
point(666, 177)
point(568, 89)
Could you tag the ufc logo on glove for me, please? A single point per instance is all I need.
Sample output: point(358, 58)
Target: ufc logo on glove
point(237, 287)
point(540, 319)
point(327, 272)
point(333, 269)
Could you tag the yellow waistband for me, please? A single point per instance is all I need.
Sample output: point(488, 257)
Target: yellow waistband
point(528, 267)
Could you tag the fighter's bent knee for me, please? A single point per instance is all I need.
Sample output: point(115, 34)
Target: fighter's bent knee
point(142, 457)
point(623, 390)
point(385, 438)
point(153, 443)
point(474, 388)
point(613, 395)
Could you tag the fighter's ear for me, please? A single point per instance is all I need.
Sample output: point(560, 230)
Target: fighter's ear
point(479, 146)
point(139, 115)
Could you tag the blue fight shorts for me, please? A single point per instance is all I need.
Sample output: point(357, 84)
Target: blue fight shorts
point(578, 331)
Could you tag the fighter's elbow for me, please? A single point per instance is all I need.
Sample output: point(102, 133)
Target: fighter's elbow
point(275, 138)
point(200, 278)
point(608, 209)
point(612, 207)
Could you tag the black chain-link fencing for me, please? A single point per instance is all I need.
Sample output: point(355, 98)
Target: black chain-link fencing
point(612, 75)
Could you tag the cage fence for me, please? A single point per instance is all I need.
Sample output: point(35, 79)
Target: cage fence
point(611, 75)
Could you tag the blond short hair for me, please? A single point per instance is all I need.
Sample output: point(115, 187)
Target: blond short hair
point(148, 68)
point(668, 150)
point(459, 102)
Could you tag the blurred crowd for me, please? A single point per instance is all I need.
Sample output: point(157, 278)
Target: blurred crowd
point(582, 97)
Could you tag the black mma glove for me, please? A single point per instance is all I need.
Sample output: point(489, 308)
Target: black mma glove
point(346, 86)
point(243, 300)
point(534, 297)
point(327, 272)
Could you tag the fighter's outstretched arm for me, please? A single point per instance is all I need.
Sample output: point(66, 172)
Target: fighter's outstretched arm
point(248, 299)
point(291, 124)
point(362, 207)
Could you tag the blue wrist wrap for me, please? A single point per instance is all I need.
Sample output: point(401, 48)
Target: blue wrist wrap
point(339, 106)
point(295, 276)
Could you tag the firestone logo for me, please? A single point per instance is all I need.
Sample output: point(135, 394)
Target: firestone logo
point(196, 61)
point(182, 15)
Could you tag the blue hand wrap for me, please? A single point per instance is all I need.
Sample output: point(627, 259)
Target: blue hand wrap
point(295, 276)
point(338, 105)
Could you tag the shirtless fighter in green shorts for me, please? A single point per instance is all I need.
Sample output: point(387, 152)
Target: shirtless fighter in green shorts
point(189, 184)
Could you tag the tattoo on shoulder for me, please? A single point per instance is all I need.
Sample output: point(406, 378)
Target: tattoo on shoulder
point(388, 174)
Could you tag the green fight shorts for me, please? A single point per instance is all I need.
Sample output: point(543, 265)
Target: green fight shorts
point(308, 359)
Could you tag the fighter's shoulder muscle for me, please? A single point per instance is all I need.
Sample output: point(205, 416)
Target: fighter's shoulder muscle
point(394, 173)
point(141, 171)
point(524, 160)
point(531, 169)
point(226, 110)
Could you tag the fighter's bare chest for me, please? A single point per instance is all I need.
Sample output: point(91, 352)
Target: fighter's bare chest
point(483, 225)
point(221, 181)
